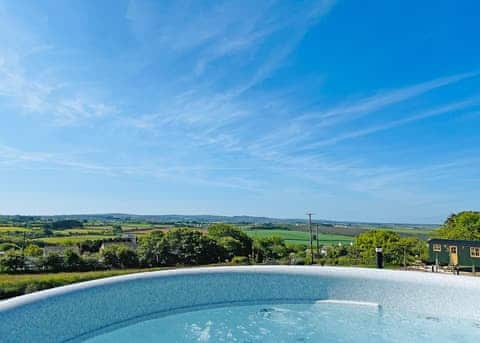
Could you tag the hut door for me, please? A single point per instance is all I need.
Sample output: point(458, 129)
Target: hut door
point(453, 255)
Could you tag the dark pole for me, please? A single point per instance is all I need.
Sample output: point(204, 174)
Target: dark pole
point(379, 257)
point(311, 236)
point(23, 249)
point(24, 244)
point(318, 249)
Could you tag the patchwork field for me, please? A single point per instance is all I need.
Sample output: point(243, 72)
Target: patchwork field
point(7, 229)
point(299, 237)
point(66, 240)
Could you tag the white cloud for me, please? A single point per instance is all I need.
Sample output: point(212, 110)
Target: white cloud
point(392, 124)
point(376, 102)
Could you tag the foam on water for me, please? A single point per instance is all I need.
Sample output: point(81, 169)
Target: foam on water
point(317, 322)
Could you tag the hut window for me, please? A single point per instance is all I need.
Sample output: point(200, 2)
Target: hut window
point(437, 247)
point(474, 252)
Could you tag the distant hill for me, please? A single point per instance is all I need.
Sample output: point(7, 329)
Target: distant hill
point(177, 218)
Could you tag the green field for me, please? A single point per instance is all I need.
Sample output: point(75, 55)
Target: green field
point(408, 231)
point(72, 239)
point(299, 237)
point(17, 284)
point(85, 231)
point(7, 229)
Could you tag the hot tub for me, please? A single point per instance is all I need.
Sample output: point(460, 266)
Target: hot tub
point(251, 304)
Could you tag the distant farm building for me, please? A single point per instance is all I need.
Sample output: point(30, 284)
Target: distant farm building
point(459, 253)
point(129, 240)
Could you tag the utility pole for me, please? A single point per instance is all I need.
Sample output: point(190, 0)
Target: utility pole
point(311, 235)
point(24, 244)
point(318, 249)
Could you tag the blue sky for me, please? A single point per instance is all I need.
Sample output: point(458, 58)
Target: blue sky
point(355, 110)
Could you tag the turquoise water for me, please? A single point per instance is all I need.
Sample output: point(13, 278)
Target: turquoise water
point(323, 322)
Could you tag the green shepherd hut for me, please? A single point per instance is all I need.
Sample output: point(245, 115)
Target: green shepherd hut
point(457, 253)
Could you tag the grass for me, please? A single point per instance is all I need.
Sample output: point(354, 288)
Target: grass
point(72, 239)
point(87, 229)
point(408, 231)
point(7, 229)
point(299, 237)
point(13, 285)
point(129, 227)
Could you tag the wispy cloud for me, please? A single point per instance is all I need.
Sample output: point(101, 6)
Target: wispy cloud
point(53, 100)
point(382, 99)
point(10, 156)
point(393, 124)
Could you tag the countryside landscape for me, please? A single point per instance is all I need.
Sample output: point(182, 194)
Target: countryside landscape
point(239, 171)
point(48, 251)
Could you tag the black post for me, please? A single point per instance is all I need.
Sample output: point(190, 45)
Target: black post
point(311, 237)
point(379, 257)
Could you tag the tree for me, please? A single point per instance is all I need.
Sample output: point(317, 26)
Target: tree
point(63, 224)
point(185, 246)
point(12, 262)
point(463, 225)
point(117, 229)
point(72, 261)
point(273, 248)
point(90, 246)
point(233, 240)
point(91, 262)
point(366, 243)
point(110, 257)
point(127, 257)
point(33, 251)
point(152, 249)
point(396, 250)
point(53, 262)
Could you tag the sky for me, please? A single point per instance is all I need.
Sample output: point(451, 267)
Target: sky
point(353, 110)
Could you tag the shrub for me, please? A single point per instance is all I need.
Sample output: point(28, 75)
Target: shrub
point(240, 260)
point(33, 250)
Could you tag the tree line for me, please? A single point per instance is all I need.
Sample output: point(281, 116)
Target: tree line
point(222, 243)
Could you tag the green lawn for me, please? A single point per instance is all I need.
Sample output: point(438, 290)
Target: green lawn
point(16, 284)
point(299, 237)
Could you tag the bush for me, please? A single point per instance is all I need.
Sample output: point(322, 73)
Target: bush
point(33, 251)
point(92, 262)
point(240, 260)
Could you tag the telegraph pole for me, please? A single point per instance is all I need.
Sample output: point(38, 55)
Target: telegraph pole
point(318, 249)
point(311, 236)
